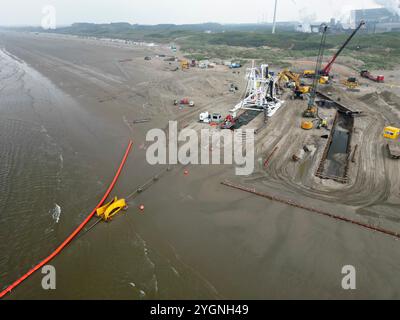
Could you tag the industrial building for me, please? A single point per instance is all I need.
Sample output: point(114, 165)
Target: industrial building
point(377, 19)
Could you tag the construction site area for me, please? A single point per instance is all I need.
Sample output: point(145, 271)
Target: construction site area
point(324, 192)
point(323, 131)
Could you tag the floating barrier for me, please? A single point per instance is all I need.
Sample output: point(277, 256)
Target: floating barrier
point(73, 234)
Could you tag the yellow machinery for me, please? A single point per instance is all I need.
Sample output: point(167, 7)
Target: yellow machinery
point(311, 74)
point(391, 133)
point(323, 123)
point(289, 76)
point(307, 125)
point(111, 209)
point(185, 64)
point(320, 123)
point(351, 83)
point(311, 112)
point(324, 80)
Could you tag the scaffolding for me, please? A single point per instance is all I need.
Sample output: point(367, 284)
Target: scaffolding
point(261, 92)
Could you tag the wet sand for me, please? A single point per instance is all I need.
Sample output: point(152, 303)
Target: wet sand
point(64, 106)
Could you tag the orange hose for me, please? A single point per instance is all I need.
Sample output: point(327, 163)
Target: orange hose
point(75, 233)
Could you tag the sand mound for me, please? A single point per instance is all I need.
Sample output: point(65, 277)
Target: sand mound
point(370, 98)
point(386, 97)
point(391, 98)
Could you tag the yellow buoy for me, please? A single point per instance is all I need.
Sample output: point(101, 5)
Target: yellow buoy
point(108, 211)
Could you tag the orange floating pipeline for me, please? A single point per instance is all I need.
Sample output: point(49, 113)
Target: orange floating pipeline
point(77, 230)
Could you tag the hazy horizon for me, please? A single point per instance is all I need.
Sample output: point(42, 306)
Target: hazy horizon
point(151, 12)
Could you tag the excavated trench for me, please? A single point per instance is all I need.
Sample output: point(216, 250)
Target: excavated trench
point(335, 161)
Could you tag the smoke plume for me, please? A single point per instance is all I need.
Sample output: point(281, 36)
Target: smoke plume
point(392, 5)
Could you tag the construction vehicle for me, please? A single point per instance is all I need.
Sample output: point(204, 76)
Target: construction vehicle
point(206, 117)
point(325, 72)
point(183, 102)
point(289, 77)
point(229, 122)
point(312, 109)
point(351, 83)
point(185, 64)
point(307, 125)
point(308, 73)
point(311, 74)
point(235, 65)
point(366, 74)
point(320, 123)
point(392, 133)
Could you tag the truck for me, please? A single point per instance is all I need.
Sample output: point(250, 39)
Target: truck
point(391, 135)
point(228, 123)
point(235, 65)
point(391, 132)
point(366, 74)
point(206, 117)
point(184, 101)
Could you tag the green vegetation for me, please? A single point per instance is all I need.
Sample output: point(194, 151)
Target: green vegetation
point(252, 41)
point(376, 51)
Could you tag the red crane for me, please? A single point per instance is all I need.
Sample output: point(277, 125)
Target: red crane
point(327, 69)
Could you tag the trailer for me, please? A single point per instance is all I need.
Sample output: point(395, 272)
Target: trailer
point(366, 74)
point(184, 102)
point(394, 149)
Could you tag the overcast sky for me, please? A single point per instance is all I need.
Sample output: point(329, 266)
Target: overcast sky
point(29, 12)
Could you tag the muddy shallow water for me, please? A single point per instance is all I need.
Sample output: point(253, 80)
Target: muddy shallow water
point(51, 177)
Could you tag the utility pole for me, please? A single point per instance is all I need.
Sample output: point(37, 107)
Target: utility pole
point(274, 23)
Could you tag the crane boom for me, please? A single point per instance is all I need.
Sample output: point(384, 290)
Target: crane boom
point(318, 67)
point(328, 67)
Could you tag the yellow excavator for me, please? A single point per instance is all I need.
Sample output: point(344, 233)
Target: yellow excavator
point(286, 76)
